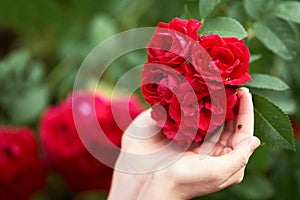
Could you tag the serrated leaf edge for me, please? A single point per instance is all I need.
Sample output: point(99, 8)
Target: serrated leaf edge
point(267, 88)
point(293, 143)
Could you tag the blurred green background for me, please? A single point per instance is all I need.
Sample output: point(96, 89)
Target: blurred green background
point(43, 42)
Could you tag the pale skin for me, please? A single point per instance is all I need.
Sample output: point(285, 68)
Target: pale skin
point(190, 176)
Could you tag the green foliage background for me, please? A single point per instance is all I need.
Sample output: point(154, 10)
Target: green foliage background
point(43, 42)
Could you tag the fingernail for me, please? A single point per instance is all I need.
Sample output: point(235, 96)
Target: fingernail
point(244, 89)
point(254, 143)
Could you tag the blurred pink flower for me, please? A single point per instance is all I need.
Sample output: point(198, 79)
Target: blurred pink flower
point(63, 144)
point(22, 173)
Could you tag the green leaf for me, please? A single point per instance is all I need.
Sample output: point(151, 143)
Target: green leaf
point(207, 6)
point(264, 81)
point(101, 27)
point(237, 11)
point(253, 187)
point(37, 72)
point(257, 8)
point(14, 63)
point(223, 26)
point(288, 10)
point(272, 41)
point(282, 99)
point(254, 57)
point(30, 105)
point(286, 33)
point(187, 13)
point(272, 125)
point(254, 8)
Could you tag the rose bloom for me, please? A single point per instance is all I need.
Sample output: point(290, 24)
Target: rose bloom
point(193, 116)
point(230, 55)
point(158, 83)
point(171, 42)
point(191, 87)
point(189, 109)
point(65, 149)
point(22, 172)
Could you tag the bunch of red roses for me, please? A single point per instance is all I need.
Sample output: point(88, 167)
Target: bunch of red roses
point(190, 80)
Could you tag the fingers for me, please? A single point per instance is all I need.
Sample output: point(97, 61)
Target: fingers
point(203, 176)
point(236, 178)
point(227, 133)
point(143, 126)
point(245, 115)
point(242, 127)
point(244, 122)
point(237, 159)
point(143, 135)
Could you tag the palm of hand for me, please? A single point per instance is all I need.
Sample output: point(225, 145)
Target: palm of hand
point(223, 164)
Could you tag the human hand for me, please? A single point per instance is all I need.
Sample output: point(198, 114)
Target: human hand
point(188, 176)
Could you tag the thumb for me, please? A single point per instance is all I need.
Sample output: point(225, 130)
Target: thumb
point(239, 156)
point(142, 127)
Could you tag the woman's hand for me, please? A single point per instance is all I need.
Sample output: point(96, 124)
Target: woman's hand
point(189, 176)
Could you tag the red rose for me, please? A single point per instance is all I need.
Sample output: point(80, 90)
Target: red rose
point(231, 56)
point(158, 82)
point(64, 147)
point(171, 42)
point(196, 115)
point(169, 127)
point(22, 173)
point(215, 112)
point(186, 27)
point(204, 71)
point(231, 102)
point(58, 132)
point(199, 95)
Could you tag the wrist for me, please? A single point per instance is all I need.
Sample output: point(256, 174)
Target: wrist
point(157, 187)
point(126, 185)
